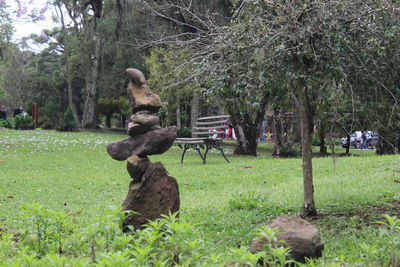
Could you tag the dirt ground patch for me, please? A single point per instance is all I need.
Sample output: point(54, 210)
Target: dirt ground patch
point(367, 214)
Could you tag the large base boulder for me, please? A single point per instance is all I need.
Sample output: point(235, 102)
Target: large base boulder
point(156, 194)
point(150, 143)
point(300, 236)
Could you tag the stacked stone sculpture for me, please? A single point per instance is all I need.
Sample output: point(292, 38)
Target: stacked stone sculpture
point(152, 192)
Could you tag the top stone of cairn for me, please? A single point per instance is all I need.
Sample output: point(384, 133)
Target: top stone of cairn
point(142, 98)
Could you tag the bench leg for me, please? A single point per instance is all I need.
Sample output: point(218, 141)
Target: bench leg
point(198, 151)
point(195, 147)
point(222, 152)
point(184, 151)
point(205, 154)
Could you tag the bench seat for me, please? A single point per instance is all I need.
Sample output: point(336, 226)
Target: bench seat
point(205, 136)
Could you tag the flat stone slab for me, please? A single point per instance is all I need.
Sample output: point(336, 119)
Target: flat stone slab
point(150, 143)
point(145, 119)
point(135, 129)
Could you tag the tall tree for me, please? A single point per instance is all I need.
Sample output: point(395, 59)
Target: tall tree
point(91, 25)
point(303, 45)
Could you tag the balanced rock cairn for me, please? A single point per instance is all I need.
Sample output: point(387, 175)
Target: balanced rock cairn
point(152, 192)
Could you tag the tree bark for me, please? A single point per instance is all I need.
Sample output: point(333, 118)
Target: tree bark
point(89, 112)
point(178, 117)
point(321, 134)
point(303, 106)
point(348, 144)
point(108, 120)
point(194, 109)
point(246, 134)
point(123, 121)
point(68, 67)
point(385, 146)
point(277, 131)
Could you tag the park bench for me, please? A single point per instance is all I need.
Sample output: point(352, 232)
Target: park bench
point(207, 134)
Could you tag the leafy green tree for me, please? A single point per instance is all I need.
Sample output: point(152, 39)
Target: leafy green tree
point(297, 48)
point(165, 68)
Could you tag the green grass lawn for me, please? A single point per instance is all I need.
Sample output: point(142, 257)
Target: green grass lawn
point(72, 172)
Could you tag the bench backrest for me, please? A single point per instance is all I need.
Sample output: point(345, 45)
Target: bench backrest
point(210, 127)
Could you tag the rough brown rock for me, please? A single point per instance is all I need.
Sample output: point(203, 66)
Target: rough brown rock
point(149, 143)
point(142, 98)
point(145, 119)
point(136, 167)
point(155, 195)
point(135, 129)
point(300, 236)
point(136, 76)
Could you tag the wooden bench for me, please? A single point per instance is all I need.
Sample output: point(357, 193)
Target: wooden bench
point(207, 134)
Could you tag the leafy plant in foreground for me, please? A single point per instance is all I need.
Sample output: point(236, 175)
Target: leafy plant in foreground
point(51, 238)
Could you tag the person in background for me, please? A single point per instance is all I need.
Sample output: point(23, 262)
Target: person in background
point(364, 144)
point(18, 111)
point(233, 134)
point(3, 113)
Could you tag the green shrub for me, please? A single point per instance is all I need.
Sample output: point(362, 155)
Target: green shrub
point(48, 238)
point(289, 150)
point(315, 141)
point(68, 122)
point(28, 108)
point(49, 114)
point(185, 132)
point(23, 122)
point(7, 123)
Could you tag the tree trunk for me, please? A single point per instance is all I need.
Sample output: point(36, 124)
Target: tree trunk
point(246, 134)
point(348, 145)
point(385, 147)
point(303, 106)
point(119, 24)
point(277, 131)
point(108, 120)
point(68, 67)
point(321, 134)
point(194, 109)
point(89, 111)
point(178, 117)
point(123, 121)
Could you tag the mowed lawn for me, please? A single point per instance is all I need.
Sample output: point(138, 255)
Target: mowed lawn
point(72, 172)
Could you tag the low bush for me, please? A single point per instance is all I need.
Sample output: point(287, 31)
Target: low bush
point(68, 122)
point(315, 141)
point(185, 132)
point(7, 123)
point(23, 122)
